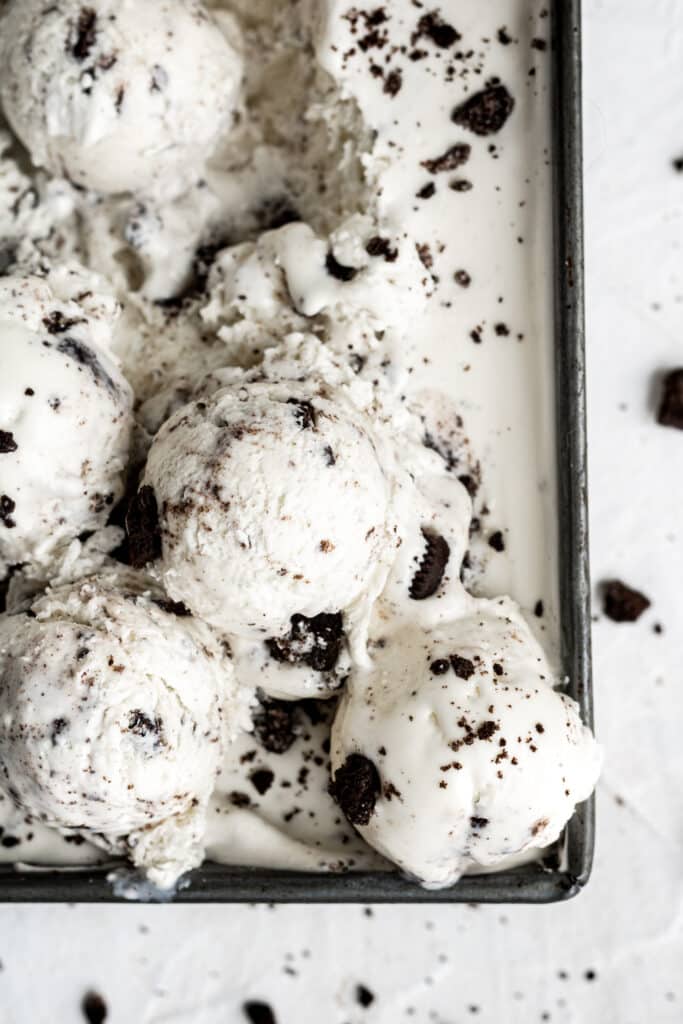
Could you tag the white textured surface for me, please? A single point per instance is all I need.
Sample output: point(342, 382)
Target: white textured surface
point(159, 964)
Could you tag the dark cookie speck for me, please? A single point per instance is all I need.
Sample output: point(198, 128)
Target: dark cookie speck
point(428, 577)
point(304, 413)
point(440, 32)
point(622, 603)
point(94, 1008)
point(463, 667)
point(86, 358)
point(315, 641)
point(378, 246)
point(274, 725)
point(86, 30)
point(58, 727)
point(259, 1013)
point(7, 442)
point(7, 507)
point(142, 528)
point(142, 725)
point(338, 270)
point(356, 787)
point(364, 997)
point(262, 780)
point(393, 83)
point(670, 413)
point(486, 112)
point(57, 323)
point(497, 541)
point(453, 158)
point(173, 607)
point(427, 191)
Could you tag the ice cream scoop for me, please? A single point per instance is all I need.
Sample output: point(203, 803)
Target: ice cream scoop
point(112, 701)
point(273, 503)
point(455, 751)
point(65, 415)
point(118, 95)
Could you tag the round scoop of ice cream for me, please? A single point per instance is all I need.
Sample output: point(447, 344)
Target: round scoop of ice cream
point(111, 716)
point(65, 420)
point(118, 95)
point(454, 750)
point(273, 503)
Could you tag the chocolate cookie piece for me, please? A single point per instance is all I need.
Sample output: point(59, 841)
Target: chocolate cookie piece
point(378, 246)
point(364, 996)
point(428, 577)
point(621, 603)
point(316, 641)
point(262, 780)
point(85, 357)
point(7, 508)
point(94, 1008)
point(7, 442)
point(453, 158)
point(86, 32)
point(670, 413)
point(486, 112)
point(257, 1012)
point(173, 607)
point(304, 413)
point(57, 323)
point(142, 725)
point(274, 725)
point(433, 27)
point(497, 541)
point(463, 667)
point(142, 528)
point(338, 270)
point(355, 787)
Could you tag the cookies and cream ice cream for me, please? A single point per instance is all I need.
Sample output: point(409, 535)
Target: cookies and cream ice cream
point(118, 96)
point(65, 414)
point(454, 750)
point(278, 275)
point(115, 706)
point(273, 502)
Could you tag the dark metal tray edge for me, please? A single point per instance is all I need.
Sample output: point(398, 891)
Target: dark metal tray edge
point(533, 883)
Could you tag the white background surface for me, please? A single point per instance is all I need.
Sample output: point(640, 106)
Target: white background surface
point(455, 964)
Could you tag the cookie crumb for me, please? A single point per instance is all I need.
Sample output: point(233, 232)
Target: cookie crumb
point(622, 603)
point(355, 787)
point(497, 541)
point(670, 413)
point(486, 111)
point(94, 1008)
point(258, 1012)
point(364, 997)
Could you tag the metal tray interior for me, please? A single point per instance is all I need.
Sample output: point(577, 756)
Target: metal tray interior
point(556, 878)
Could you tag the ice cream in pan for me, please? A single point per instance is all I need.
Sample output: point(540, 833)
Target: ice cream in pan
point(251, 523)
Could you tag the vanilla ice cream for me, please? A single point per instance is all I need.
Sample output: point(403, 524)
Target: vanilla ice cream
point(111, 708)
point(316, 242)
point(65, 414)
point(273, 503)
point(455, 751)
point(118, 95)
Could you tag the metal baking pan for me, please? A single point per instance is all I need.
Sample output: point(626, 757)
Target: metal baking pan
point(563, 873)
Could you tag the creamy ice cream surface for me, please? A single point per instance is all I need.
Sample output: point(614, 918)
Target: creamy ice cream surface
point(115, 708)
point(454, 750)
point(276, 434)
point(118, 96)
point(65, 414)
